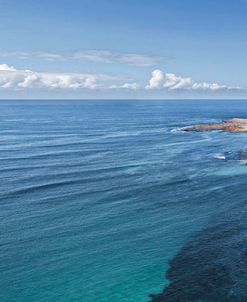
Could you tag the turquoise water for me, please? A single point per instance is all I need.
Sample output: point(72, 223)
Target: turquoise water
point(99, 199)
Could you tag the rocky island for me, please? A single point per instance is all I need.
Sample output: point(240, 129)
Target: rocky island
point(231, 125)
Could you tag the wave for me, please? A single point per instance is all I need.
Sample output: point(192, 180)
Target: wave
point(237, 156)
point(220, 156)
point(85, 153)
point(30, 189)
point(179, 129)
point(205, 139)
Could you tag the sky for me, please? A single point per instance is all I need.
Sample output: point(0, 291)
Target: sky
point(123, 49)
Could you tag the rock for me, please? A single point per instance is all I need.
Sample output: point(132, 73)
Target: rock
point(231, 125)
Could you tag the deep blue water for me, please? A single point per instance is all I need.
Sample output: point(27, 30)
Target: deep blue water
point(100, 199)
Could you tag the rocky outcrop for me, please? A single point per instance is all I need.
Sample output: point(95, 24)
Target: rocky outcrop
point(231, 125)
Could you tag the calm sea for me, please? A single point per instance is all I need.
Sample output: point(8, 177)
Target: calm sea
point(108, 201)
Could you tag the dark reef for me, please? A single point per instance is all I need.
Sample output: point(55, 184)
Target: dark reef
point(212, 267)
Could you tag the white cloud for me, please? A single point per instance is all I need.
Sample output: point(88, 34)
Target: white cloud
point(157, 80)
point(20, 79)
point(132, 86)
point(139, 59)
point(212, 86)
point(11, 78)
point(28, 80)
point(97, 56)
point(67, 81)
point(49, 56)
point(123, 58)
point(17, 54)
point(5, 67)
point(170, 81)
point(129, 86)
point(101, 56)
point(16, 79)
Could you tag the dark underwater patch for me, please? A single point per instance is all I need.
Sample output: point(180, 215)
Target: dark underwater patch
point(212, 267)
point(233, 155)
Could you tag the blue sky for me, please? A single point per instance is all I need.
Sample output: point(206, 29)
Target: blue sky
point(123, 49)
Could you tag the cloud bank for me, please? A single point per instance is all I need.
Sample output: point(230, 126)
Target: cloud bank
point(170, 81)
point(12, 78)
point(16, 79)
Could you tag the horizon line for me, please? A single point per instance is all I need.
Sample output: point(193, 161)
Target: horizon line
point(122, 99)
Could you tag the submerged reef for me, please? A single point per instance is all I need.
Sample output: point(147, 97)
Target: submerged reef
point(212, 267)
point(233, 156)
point(231, 125)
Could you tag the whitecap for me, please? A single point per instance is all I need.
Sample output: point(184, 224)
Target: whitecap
point(220, 156)
point(178, 129)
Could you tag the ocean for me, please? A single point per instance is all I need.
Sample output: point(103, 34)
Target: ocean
point(110, 201)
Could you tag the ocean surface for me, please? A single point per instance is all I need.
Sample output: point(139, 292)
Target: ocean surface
point(110, 201)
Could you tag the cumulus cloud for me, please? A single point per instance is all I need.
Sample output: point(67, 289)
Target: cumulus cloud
point(17, 79)
point(5, 67)
point(170, 81)
point(12, 78)
point(20, 79)
point(130, 86)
